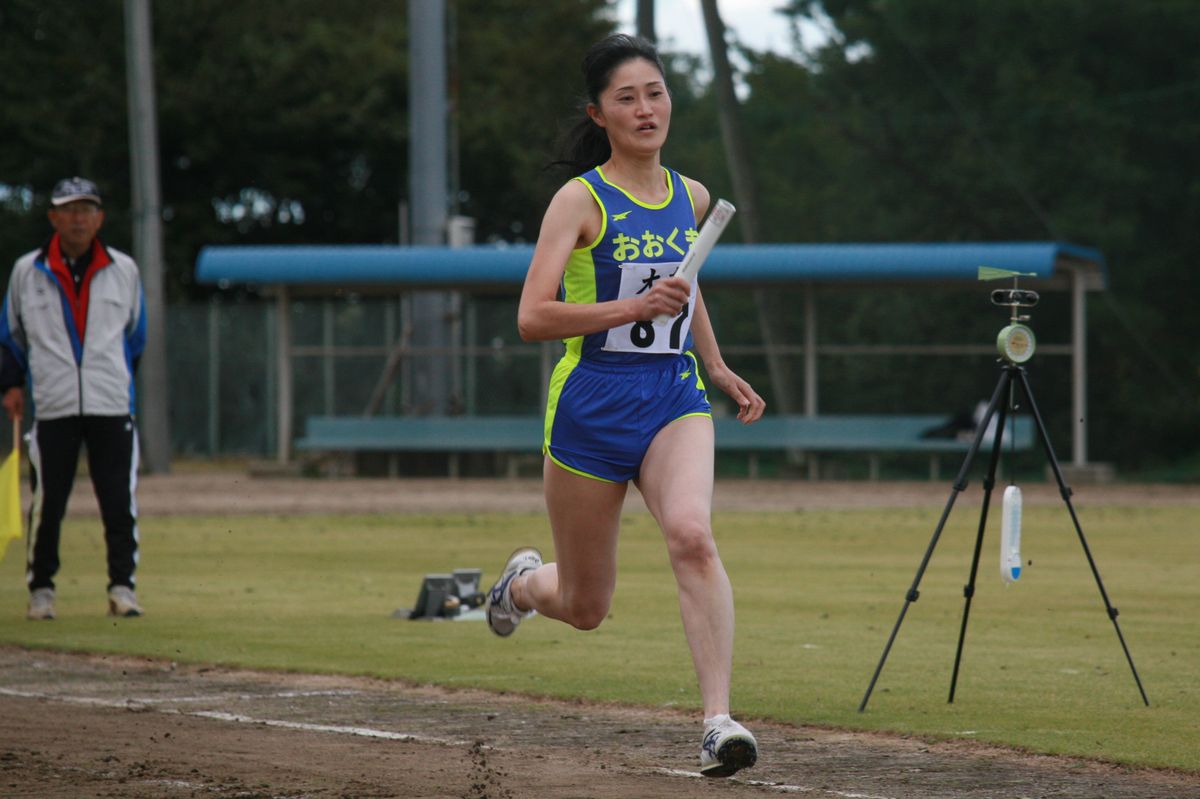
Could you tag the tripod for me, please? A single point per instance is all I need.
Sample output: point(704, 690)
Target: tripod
point(1011, 375)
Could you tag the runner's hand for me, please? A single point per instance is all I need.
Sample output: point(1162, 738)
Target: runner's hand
point(750, 405)
point(666, 296)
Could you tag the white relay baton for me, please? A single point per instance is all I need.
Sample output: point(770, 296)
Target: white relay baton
point(710, 231)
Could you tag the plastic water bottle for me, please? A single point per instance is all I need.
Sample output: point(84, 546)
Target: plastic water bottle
point(1010, 535)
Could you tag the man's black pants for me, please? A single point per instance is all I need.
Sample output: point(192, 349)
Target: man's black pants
point(112, 453)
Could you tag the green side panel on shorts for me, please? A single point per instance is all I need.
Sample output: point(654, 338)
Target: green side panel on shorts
point(696, 370)
point(704, 414)
point(558, 379)
point(699, 387)
point(573, 470)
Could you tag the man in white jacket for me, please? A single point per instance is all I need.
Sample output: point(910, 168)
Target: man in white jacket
point(73, 328)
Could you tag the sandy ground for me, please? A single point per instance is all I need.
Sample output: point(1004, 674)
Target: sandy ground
point(79, 726)
point(88, 726)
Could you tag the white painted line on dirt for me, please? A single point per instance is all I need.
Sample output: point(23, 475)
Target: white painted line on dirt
point(184, 785)
point(802, 789)
point(290, 694)
point(129, 704)
point(74, 700)
point(775, 786)
point(167, 700)
point(365, 732)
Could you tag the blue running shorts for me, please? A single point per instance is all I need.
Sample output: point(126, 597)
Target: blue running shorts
point(601, 418)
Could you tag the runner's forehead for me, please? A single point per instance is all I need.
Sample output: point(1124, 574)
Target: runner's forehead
point(635, 73)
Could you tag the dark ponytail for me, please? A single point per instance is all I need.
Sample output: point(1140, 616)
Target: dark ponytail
point(586, 143)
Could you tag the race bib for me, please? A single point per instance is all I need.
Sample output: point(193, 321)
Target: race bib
point(646, 336)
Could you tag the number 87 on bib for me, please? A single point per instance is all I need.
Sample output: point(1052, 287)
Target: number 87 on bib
point(664, 335)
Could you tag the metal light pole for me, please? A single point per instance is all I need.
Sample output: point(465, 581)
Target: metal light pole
point(432, 311)
point(147, 232)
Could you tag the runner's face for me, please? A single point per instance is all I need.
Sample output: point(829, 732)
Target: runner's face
point(635, 109)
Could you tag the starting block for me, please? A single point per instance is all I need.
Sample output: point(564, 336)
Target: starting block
point(446, 596)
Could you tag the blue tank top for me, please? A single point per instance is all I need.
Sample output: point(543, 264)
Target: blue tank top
point(638, 244)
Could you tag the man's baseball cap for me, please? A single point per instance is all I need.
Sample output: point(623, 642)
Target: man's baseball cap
point(70, 190)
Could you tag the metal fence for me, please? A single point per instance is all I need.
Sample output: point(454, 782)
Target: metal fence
point(223, 373)
point(224, 388)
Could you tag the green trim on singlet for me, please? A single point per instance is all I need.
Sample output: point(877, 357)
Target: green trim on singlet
point(659, 206)
point(579, 286)
point(691, 199)
point(579, 276)
point(603, 216)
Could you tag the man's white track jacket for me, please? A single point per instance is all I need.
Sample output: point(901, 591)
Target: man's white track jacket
point(69, 377)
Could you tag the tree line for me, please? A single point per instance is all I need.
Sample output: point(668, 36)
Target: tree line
point(916, 120)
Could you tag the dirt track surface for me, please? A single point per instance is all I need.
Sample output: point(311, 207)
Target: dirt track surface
point(79, 726)
point(236, 493)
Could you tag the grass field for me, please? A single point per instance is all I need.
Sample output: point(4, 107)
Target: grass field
point(817, 594)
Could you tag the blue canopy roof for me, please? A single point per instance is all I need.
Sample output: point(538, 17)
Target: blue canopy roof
point(381, 265)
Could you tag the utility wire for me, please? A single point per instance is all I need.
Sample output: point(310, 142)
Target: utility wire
point(972, 128)
point(1151, 355)
point(1158, 93)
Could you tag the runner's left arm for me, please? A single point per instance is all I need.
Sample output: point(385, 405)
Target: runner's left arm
point(750, 404)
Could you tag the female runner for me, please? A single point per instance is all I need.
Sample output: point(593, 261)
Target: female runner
point(626, 401)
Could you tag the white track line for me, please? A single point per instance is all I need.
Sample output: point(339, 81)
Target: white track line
point(123, 704)
point(365, 732)
point(126, 704)
point(193, 786)
point(167, 700)
point(775, 786)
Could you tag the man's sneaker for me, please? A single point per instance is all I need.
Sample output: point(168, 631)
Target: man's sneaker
point(727, 748)
point(41, 604)
point(123, 602)
point(502, 615)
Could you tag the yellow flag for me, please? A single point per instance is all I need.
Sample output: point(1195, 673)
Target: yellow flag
point(10, 499)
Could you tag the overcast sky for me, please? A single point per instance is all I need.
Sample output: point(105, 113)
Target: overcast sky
point(679, 24)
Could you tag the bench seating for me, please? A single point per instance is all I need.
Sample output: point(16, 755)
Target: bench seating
point(422, 433)
point(453, 435)
point(870, 434)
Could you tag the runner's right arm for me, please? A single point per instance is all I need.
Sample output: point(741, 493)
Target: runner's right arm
point(571, 222)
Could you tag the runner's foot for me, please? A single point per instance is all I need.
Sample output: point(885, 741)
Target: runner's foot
point(502, 615)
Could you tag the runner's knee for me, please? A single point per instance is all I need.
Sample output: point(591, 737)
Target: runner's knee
point(584, 612)
point(690, 544)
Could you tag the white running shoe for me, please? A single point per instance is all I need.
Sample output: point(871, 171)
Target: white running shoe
point(502, 615)
point(41, 604)
point(123, 602)
point(727, 748)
